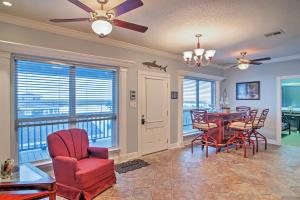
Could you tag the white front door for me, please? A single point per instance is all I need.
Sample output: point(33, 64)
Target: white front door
point(154, 113)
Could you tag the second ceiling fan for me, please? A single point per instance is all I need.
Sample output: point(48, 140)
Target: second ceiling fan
point(104, 20)
point(243, 62)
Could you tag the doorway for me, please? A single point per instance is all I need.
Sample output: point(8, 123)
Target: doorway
point(290, 111)
point(153, 111)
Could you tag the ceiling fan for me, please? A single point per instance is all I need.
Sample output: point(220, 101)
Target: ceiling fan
point(104, 20)
point(243, 62)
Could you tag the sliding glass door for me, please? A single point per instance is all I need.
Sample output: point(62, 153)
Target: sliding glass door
point(197, 94)
point(51, 97)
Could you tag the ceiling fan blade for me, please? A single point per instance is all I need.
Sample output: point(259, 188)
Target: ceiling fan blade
point(131, 26)
point(82, 6)
point(233, 66)
point(261, 59)
point(70, 20)
point(255, 63)
point(127, 6)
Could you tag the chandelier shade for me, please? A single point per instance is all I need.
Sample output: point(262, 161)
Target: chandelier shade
point(199, 52)
point(201, 56)
point(102, 27)
point(187, 55)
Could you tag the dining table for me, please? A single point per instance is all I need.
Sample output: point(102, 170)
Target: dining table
point(222, 117)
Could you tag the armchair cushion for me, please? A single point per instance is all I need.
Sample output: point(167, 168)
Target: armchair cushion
point(98, 152)
point(90, 170)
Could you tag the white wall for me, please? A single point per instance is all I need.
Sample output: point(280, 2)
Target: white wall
point(14, 33)
point(267, 75)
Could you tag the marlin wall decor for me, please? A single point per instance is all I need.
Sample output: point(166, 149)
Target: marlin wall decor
point(154, 65)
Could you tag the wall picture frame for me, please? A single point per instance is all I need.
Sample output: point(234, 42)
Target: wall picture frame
point(248, 90)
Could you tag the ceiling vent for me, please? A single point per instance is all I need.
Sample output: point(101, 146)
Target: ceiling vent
point(280, 32)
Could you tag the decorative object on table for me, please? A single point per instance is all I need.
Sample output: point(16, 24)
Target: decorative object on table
point(248, 90)
point(154, 65)
point(243, 63)
point(103, 20)
point(7, 168)
point(130, 165)
point(224, 101)
point(202, 57)
point(174, 95)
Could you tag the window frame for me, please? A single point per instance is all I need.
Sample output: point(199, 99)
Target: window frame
point(75, 117)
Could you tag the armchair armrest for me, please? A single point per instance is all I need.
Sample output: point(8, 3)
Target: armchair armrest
point(65, 169)
point(98, 152)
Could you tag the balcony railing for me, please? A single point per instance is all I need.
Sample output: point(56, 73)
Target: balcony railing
point(32, 133)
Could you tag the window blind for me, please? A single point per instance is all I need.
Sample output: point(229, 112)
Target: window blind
point(197, 93)
point(42, 90)
point(51, 97)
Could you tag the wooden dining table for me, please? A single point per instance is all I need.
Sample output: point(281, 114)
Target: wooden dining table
point(221, 117)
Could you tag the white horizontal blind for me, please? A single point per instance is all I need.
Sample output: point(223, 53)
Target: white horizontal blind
point(197, 93)
point(42, 90)
point(95, 91)
point(189, 93)
point(205, 93)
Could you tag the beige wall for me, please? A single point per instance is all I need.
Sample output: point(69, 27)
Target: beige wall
point(5, 122)
point(13, 33)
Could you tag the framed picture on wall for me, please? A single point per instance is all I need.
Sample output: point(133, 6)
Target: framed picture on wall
point(248, 90)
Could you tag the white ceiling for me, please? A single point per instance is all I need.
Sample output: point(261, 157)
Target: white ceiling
point(229, 26)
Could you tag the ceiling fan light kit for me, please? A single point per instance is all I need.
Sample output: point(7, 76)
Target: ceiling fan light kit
point(104, 20)
point(202, 57)
point(243, 66)
point(101, 27)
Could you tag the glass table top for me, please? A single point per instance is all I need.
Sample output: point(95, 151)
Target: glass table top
point(27, 173)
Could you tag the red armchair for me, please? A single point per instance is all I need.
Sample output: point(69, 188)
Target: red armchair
point(80, 171)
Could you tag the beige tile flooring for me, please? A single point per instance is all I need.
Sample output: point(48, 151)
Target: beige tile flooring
point(179, 174)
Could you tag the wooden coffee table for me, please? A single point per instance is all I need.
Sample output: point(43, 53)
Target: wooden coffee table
point(28, 182)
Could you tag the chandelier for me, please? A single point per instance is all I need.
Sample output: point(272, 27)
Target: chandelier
point(202, 57)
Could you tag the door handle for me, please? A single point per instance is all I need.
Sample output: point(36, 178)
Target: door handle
point(143, 121)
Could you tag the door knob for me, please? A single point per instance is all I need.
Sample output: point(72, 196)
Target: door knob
point(143, 121)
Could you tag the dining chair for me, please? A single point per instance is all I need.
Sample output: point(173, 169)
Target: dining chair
point(200, 121)
point(285, 123)
point(241, 132)
point(258, 124)
point(243, 109)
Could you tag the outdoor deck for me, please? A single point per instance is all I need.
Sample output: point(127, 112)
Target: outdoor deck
point(42, 154)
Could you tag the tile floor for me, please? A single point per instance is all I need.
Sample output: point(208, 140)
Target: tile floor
point(177, 174)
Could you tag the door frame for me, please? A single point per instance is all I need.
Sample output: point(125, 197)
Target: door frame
point(279, 105)
point(142, 73)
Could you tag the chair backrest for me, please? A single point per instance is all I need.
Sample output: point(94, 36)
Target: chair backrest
point(284, 118)
point(251, 117)
point(69, 143)
point(243, 109)
point(261, 120)
point(199, 116)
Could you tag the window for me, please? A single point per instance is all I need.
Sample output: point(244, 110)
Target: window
point(197, 93)
point(51, 97)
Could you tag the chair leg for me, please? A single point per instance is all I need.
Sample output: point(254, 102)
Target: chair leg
point(245, 149)
point(253, 147)
point(206, 149)
point(192, 147)
point(254, 132)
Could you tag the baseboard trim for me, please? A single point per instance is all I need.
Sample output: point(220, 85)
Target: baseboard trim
point(272, 141)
